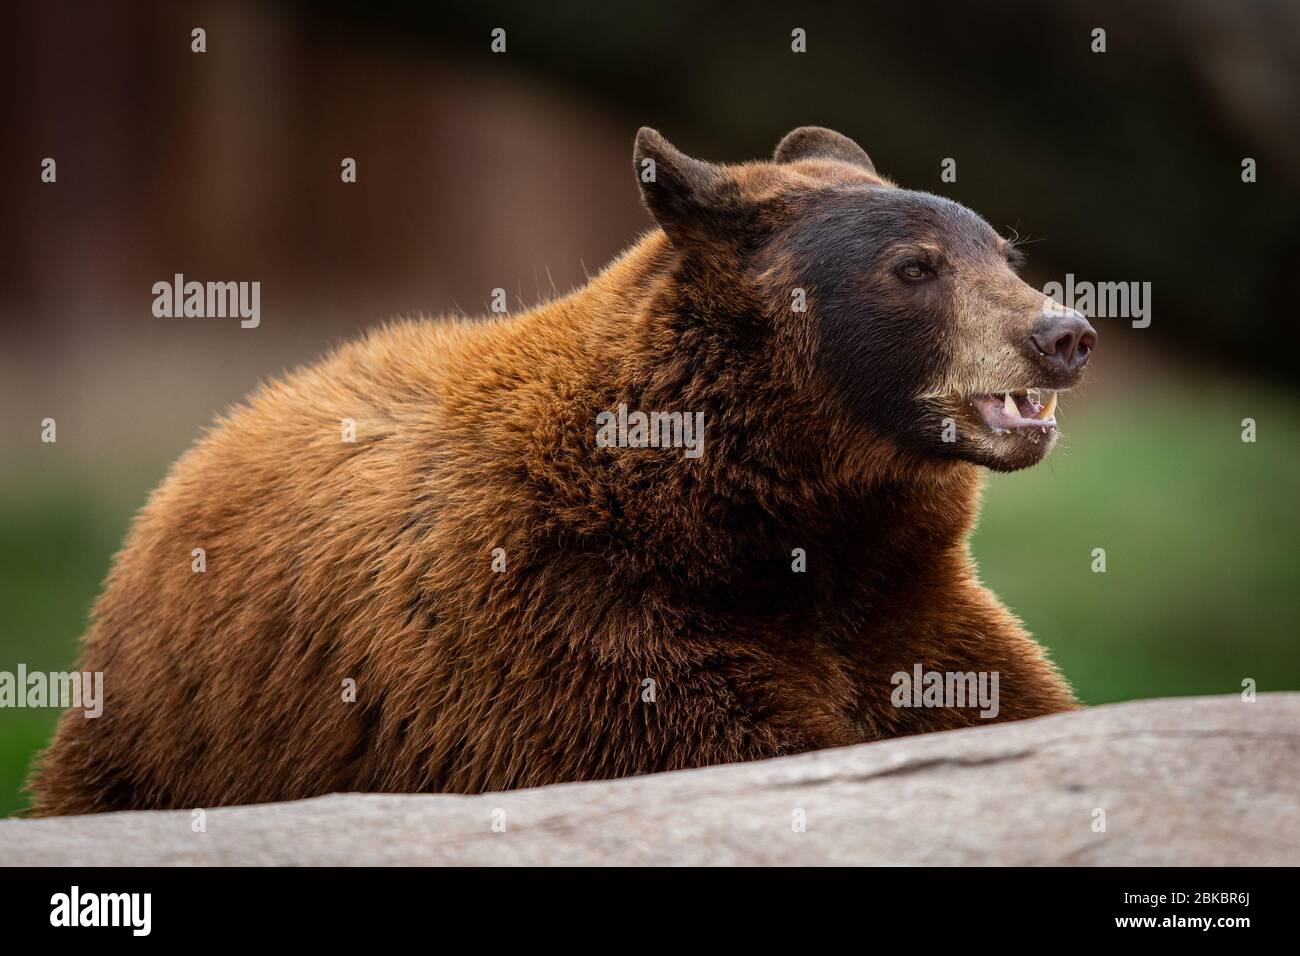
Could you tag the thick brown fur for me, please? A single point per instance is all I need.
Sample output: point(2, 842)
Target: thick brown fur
point(372, 560)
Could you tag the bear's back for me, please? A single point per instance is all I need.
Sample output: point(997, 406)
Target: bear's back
point(268, 568)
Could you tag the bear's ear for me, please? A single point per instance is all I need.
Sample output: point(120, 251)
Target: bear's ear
point(813, 142)
point(683, 194)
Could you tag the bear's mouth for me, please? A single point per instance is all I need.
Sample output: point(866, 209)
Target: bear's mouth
point(1028, 411)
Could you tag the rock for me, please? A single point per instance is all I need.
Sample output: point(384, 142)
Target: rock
point(1185, 781)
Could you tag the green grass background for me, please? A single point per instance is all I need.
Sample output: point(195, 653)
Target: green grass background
point(1199, 528)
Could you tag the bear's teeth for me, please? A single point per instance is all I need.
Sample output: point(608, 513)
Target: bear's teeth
point(1049, 409)
point(1009, 406)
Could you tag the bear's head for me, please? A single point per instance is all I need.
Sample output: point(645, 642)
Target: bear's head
point(901, 309)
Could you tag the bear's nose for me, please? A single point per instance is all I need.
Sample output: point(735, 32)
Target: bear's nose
point(1064, 339)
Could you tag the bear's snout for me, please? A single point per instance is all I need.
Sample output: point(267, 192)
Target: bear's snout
point(1062, 340)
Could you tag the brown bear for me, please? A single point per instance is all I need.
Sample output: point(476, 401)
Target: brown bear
point(713, 506)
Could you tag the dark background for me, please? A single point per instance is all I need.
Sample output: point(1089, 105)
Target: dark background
point(480, 170)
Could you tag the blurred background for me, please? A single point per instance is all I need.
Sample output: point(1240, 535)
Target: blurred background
point(479, 170)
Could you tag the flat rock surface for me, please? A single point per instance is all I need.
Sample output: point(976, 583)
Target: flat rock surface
point(1181, 781)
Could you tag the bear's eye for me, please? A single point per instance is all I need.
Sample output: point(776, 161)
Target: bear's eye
point(914, 270)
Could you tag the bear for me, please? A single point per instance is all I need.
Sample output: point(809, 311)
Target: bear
point(504, 580)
